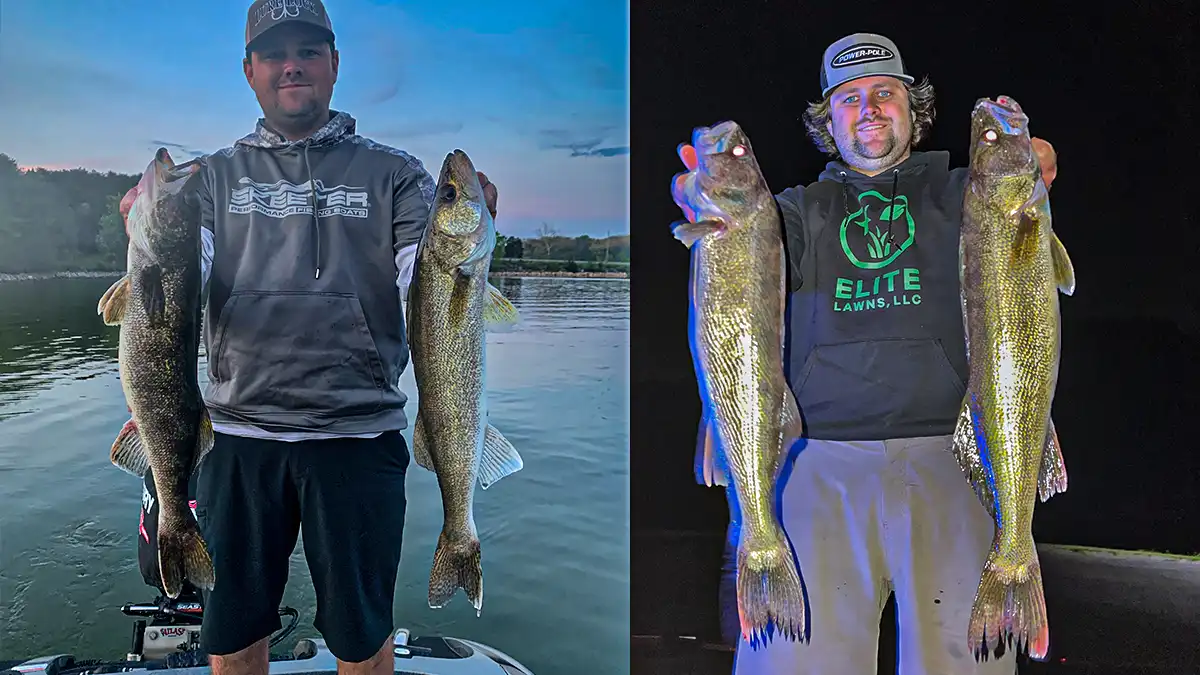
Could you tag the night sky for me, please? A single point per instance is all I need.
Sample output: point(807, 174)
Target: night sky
point(1117, 104)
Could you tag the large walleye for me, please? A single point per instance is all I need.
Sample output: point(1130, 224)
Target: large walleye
point(750, 417)
point(450, 307)
point(157, 305)
point(1012, 268)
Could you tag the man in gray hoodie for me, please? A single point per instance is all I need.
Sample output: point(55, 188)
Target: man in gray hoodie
point(309, 235)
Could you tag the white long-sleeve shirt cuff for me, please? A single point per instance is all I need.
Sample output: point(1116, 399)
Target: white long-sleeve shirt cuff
point(406, 259)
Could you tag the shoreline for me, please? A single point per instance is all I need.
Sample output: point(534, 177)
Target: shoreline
point(42, 276)
point(578, 275)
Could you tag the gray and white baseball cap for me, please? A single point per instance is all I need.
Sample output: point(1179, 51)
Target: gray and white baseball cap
point(264, 15)
point(860, 55)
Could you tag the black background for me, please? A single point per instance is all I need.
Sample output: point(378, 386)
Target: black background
point(1114, 93)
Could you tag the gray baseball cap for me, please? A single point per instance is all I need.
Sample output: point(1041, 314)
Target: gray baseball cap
point(267, 14)
point(860, 55)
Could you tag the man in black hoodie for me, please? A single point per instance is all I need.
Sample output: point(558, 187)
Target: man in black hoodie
point(875, 352)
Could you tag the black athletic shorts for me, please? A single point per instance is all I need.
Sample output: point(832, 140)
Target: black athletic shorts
point(254, 495)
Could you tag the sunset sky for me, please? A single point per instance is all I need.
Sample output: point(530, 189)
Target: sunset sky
point(534, 90)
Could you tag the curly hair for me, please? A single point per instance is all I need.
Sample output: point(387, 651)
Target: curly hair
point(920, 103)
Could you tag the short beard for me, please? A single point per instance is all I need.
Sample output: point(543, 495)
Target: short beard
point(855, 154)
point(305, 122)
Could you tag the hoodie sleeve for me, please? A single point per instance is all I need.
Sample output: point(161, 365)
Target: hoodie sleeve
point(203, 196)
point(790, 210)
point(411, 202)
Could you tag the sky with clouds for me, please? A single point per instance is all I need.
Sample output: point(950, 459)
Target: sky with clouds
point(534, 90)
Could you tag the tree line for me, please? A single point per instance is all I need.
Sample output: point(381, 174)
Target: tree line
point(68, 220)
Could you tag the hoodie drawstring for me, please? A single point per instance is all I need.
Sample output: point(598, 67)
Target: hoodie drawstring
point(845, 191)
point(312, 187)
point(892, 205)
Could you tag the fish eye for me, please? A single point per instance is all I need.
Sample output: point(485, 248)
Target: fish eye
point(447, 193)
point(991, 136)
point(739, 151)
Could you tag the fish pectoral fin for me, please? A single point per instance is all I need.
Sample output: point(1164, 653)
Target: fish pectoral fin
point(114, 301)
point(128, 453)
point(710, 469)
point(1052, 479)
point(499, 315)
point(791, 422)
point(499, 458)
point(1064, 271)
point(965, 445)
point(154, 297)
point(421, 453)
point(204, 439)
point(689, 233)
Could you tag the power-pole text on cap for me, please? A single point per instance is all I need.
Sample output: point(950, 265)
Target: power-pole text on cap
point(861, 53)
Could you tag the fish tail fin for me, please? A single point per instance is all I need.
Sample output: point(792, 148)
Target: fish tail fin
point(456, 564)
point(770, 590)
point(183, 555)
point(1009, 606)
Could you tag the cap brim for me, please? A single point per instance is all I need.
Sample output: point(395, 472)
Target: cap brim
point(909, 79)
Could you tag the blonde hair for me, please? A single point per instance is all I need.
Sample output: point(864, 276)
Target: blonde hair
point(920, 104)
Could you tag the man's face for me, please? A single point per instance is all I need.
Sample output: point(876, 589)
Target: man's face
point(871, 123)
point(292, 71)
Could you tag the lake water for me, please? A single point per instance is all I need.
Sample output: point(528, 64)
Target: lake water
point(555, 535)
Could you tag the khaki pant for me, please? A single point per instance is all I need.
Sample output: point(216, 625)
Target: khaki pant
point(869, 518)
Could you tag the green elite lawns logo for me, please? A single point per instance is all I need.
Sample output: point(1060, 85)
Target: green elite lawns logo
point(865, 241)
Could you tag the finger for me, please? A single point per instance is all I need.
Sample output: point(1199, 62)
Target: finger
point(490, 196)
point(688, 154)
point(1048, 174)
point(1043, 149)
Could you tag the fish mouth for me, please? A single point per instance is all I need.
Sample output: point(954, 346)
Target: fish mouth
point(166, 171)
point(1002, 116)
point(459, 171)
point(718, 138)
point(1003, 108)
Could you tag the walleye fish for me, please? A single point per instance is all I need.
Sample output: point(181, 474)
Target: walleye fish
point(750, 417)
point(157, 306)
point(451, 305)
point(1012, 267)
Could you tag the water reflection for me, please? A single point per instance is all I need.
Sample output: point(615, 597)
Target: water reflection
point(557, 388)
point(47, 333)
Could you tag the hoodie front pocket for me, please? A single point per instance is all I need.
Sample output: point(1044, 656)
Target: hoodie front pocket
point(298, 352)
